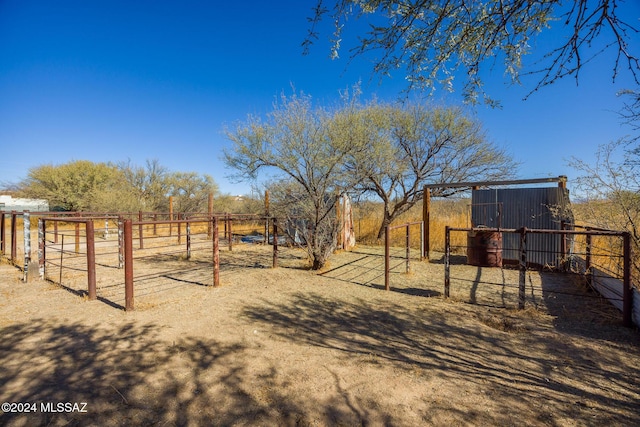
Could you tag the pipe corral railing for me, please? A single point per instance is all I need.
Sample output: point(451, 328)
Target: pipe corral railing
point(571, 259)
point(81, 232)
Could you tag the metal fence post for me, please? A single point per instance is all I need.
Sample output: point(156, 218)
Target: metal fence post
point(275, 242)
point(77, 227)
point(2, 233)
point(407, 243)
point(627, 292)
point(140, 230)
point(42, 246)
point(26, 234)
point(386, 259)
point(91, 258)
point(216, 253)
point(188, 240)
point(587, 257)
point(447, 261)
point(422, 252)
point(230, 234)
point(120, 242)
point(14, 237)
point(523, 267)
point(128, 265)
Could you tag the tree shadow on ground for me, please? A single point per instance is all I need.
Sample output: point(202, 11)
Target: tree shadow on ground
point(127, 376)
point(516, 369)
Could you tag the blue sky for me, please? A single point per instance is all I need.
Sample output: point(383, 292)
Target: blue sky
point(116, 80)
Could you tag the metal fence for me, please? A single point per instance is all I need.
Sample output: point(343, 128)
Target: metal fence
point(94, 255)
point(406, 246)
point(602, 257)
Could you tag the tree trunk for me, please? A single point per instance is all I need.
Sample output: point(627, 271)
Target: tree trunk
point(385, 221)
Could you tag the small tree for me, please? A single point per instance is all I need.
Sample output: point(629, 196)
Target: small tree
point(149, 184)
point(190, 191)
point(296, 212)
point(305, 146)
point(611, 190)
point(72, 186)
point(412, 145)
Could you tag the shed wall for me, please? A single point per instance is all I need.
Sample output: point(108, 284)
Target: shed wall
point(540, 208)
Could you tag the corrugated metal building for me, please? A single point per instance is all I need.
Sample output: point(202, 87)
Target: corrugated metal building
point(541, 208)
point(8, 204)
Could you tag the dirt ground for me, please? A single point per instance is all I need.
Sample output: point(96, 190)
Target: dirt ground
point(291, 347)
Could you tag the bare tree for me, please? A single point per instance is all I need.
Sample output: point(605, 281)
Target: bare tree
point(148, 183)
point(305, 147)
point(614, 179)
point(412, 145)
point(190, 191)
point(610, 188)
point(432, 39)
point(630, 113)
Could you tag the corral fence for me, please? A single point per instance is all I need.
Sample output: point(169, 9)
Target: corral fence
point(73, 251)
point(405, 245)
point(602, 257)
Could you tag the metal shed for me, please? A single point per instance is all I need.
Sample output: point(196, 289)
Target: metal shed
point(546, 208)
point(513, 208)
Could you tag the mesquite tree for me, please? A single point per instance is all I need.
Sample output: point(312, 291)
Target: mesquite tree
point(305, 147)
point(413, 144)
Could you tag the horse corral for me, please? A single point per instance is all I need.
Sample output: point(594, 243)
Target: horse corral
point(289, 346)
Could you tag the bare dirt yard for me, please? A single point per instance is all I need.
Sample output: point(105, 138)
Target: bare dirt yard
point(291, 347)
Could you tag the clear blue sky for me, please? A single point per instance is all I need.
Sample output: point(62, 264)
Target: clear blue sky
point(110, 80)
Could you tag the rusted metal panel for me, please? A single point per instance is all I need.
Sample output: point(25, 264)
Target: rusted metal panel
point(534, 208)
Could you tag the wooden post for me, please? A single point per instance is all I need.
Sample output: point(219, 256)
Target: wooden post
point(128, 265)
point(562, 181)
point(426, 213)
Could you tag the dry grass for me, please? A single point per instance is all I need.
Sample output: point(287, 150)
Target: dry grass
point(454, 213)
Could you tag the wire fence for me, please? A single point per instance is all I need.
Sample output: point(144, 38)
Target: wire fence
point(601, 257)
point(100, 257)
